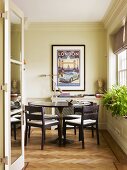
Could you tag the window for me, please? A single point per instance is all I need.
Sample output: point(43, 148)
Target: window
point(122, 68)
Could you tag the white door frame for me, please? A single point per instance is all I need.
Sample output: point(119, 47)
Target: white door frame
point(19, 163)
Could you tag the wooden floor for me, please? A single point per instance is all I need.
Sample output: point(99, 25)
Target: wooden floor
point(71, 157)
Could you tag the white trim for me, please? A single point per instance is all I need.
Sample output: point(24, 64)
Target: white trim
point(16, 62)
point(118, 7)
point(6, 81)
point(64, 26)
point(19, 163)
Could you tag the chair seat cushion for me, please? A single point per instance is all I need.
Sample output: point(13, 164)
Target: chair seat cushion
point(17, 116)
point(14, 120)
point(73, 116)
point(78, 121)
point(47, 122)
point(49, 116)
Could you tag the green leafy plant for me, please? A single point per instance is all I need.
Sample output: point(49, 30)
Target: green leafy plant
point(116, 100)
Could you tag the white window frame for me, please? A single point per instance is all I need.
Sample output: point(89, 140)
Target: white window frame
point(119, 71)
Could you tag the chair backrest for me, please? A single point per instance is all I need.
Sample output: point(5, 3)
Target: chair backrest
point(78, 109)
point(91, 112)
point(34, 113)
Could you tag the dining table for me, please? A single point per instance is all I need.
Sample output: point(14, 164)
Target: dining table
point(60, 106)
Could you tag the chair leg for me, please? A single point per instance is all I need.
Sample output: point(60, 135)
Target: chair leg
point(42, 138)
point(58, 134)
point(26, 131)
point(97, 133)
point(82, 134)
point(29, 131)
point(75, 130)
point(14, 131)
point(44, 135)
point(92, 131)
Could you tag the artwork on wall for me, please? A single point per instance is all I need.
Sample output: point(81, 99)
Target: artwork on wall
point(68, 67)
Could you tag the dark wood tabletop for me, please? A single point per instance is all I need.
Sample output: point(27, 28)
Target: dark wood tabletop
point(50, 104)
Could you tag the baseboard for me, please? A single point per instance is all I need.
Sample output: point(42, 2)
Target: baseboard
point(102, 126)
point(120, 155)
point(25, 165)
point(119, 140)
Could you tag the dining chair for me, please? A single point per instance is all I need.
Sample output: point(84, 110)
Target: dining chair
point(77, 114)
point(14, 123)
point(35, 118)
point(89, 118)
point(46, 116)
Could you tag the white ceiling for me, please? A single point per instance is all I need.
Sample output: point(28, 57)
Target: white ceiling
point(64, 10)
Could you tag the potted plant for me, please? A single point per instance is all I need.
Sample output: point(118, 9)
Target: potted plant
point(116, 100)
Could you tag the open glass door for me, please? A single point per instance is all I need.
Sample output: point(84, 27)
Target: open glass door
point(13, 79)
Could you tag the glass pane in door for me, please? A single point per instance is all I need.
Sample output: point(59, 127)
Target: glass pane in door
point(15, 111)
point(15, 37)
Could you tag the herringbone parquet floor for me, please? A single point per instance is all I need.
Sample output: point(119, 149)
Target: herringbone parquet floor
point(70, 157)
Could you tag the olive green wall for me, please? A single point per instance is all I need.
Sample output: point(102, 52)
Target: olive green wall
point(117, 126)
point(38, 40)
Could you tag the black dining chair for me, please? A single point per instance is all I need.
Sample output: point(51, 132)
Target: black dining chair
point(46, 116)
point(14, 123)
point(77, 114)
point(35, 118)
point(89, 118)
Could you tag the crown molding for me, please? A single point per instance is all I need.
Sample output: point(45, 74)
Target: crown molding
point(117, 10)
point(66, 26)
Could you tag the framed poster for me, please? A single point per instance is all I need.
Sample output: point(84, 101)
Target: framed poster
point(68, 67)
